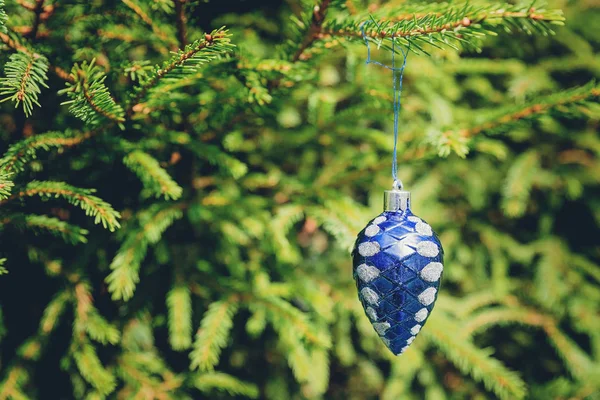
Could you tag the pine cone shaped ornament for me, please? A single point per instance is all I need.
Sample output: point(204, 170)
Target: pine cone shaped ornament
point(397, 265)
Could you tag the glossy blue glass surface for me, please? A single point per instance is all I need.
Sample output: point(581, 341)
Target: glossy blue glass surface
point(397, 265)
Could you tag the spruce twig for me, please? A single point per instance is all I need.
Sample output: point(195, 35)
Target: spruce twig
point(315, 28)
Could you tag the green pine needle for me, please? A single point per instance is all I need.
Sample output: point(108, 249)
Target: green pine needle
point(90, 99)
point(25, 74)
point(220, 382)
point(179, 303)
point(3, 17)
point(155, 179)
point(126, 264)
point(95, 207)
point(24, 151)
point(213, 334)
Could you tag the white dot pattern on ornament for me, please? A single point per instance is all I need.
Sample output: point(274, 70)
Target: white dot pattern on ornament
point(427, 296)
point(368, 249)
point(403, 349)
point(415, 329)
point(381, 327)
point(370, 296)
point(367, 272)
point(423, 229)
point(410, 340)
point(371, 313)
point(421, 315)
point(412, 218)
point(379, 220)
point(432, 272)
point(372, 230)
point(427, 249)
point(386, 341)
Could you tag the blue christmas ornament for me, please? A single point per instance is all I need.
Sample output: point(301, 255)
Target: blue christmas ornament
point(397, 264)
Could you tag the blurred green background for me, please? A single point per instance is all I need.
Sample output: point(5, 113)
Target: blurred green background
point(231, 276)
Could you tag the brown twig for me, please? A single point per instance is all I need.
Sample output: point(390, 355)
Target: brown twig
point(524, 113)
point(37, 11)
point(315, 29)
point(181, 22)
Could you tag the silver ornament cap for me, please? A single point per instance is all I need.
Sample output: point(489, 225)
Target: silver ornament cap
point(396, 200)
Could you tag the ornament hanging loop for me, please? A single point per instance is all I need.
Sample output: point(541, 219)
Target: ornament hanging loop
point(398, 74)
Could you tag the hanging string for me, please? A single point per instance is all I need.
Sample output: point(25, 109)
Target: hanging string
point(398, 75)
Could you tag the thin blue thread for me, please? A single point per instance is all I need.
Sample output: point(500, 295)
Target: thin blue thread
point(398, 75)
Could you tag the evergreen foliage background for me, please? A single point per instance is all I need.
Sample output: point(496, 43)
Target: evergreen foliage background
point(181, 183)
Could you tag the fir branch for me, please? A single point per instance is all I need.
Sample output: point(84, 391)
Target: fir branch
point(220, 382)
point(24, 151)
point(3, 269)
point(213, 334)
point(11, 43)
point(11, 386)
point(519, 181)
point(93, 371)
point(3, 18)
point(283, 315)
point(578, 363)
point(137, 8)
point(184, 62)
point(88, 320)
point(53, 312)
point(90, 99)
point(463, 23)
point(497, 121)
point(6, 185)
point(471, 360)
point(25, 74)
point(93, 206)
point(41, 223)
point(126, 264)
point(154, 178)
point(179, 303)
point(319, 13)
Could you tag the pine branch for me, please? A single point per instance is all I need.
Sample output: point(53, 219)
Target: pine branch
point(126, 264)
point(53, 312)
point(24, 151)
point(93, 371)
point(519, 182)
point(89, 321)
point(473, 361)
point(3, 18)
point(137, 8)
point(576, 360)
point(213, 334)
point(6, 185)
point(220, 382)
point(502, 120)
point(461, 23)
point(11, 386)
point(179, 303)
point(314, 29)
point(24, 76)
point(154, 178)
point(90, 99)
point(93, 206)
point(3, 269)
point(41, 223)
point(184, 62)
point(4, 38)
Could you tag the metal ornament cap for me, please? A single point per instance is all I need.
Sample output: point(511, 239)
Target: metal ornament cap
point(398, 266)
